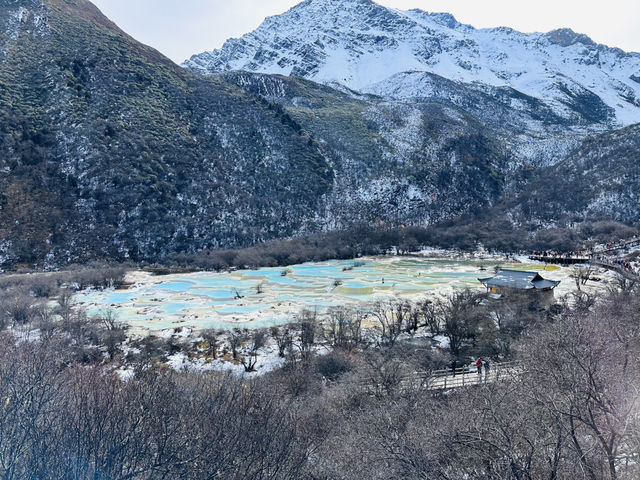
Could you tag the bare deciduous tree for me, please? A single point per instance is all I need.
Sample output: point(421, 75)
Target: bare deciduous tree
point(582, 275)
point(461, 316)
point(211, 337)
point(236, 339)
point(283, 338)
point(308, 327)
point(113, 332)
point(391, 321)
point(344, 328)
point(17, 308)
point(250, 359)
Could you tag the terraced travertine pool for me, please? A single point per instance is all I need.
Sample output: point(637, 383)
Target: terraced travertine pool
point(266, 297)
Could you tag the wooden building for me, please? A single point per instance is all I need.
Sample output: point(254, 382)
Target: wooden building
point(510, 282)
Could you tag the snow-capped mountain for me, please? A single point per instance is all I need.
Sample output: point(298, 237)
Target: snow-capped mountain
point(94, 163)
point(397, 54)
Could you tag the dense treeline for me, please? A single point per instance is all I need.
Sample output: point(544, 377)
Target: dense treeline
point(570, 410)
point(466, 235)
point(76, 278)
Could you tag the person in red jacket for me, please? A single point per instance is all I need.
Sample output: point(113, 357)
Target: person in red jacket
point(479, 366)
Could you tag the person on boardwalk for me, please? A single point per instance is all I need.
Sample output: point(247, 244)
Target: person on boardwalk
point(479, 363)
point(487, 368)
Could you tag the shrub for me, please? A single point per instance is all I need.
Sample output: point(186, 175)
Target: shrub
point(333, 365)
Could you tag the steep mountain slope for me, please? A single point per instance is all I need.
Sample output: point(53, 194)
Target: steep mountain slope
point(395, 54)
point(396, 163)
point(599, 180)
point(108, 149)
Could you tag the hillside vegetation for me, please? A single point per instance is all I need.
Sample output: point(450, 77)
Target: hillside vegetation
point(109, 151)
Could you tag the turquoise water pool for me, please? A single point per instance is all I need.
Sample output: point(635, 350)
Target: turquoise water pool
point(265, 297)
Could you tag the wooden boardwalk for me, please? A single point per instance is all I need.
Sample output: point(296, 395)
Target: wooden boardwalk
point(443, 380)
point(614, 248)
point(469, 377)
point(628, 274)
point(559, 260)
point(446, 380)
point(593, 257)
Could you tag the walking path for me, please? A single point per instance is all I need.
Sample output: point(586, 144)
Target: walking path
point(629, 274)
point(612, 248)
point(465, 377)
point(559, 259)
point(595, 257)
point(442, 380)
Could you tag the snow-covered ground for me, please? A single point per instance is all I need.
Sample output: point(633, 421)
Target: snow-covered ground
point(372, 49)
point(442, 271)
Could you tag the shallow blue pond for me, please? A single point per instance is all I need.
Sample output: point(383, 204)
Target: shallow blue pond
point(176, 286)
point(210, 300)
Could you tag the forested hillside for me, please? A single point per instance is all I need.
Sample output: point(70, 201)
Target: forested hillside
point(601, 179)
point(108, 150)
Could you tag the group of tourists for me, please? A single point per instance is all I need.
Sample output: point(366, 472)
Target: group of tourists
point(620, 243)
point(598, 254)
point(483, 366)
point(624, 265)
point(556, 254)
point(583, 254)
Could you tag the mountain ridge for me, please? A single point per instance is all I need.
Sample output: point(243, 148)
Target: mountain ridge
point(108, 150)
point(360, 44)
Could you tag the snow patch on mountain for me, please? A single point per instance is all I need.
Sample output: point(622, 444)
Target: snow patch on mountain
point(365, 46)
point(404, 137)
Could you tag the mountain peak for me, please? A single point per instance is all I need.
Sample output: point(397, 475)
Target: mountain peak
point(442, 18)
point(331, 4)
point(565, 37)
point(334, 2)
point(367, 47)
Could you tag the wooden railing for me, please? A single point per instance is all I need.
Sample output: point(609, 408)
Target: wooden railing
point(630, 274)
point(591, 257)
point(446, 379)
point(560, 259)
point(467, 376)
point(629, 243)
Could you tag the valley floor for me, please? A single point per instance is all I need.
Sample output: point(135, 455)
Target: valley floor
point(180, 307)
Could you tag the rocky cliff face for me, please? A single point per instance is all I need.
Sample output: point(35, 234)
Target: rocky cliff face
point(396, 54)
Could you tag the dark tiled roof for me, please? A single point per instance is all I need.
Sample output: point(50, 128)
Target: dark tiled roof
point(519, 279)
point(542, 284)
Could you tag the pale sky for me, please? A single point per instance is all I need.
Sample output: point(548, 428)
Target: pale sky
point(181, 28)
